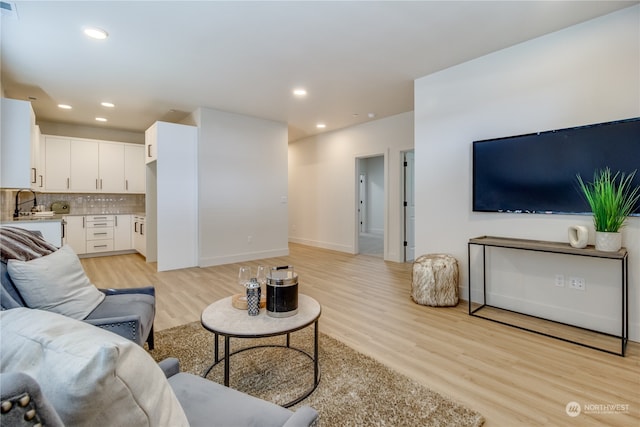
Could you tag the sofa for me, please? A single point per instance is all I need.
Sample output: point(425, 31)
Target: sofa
point(34, 273)
point(75, 374)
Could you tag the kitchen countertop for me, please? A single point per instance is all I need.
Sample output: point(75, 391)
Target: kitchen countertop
point(31, 218)
point(58, 217)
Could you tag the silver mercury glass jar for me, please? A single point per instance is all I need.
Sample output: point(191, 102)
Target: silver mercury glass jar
point(253, 297)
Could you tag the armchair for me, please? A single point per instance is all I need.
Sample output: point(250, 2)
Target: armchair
point(127, 312)
point(78, 375)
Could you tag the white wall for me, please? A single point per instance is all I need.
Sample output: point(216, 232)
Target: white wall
point(588, 73)
point(323, 183)
point(243, 187)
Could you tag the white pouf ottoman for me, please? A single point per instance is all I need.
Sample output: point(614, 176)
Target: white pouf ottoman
point(435, 280)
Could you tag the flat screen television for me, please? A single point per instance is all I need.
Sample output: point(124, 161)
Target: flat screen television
point(536, 173)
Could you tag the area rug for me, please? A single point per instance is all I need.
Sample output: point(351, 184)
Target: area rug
point(354, 389)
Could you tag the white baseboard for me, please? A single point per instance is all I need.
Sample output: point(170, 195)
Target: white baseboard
point(323, 245)
point(247, 256)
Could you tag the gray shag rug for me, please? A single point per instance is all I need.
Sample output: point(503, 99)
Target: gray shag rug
point(354, 389)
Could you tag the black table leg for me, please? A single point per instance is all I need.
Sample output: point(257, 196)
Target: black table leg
point(316, 369)
point(216, 357)
point(226, 360)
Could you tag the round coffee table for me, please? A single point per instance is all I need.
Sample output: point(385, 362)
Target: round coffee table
point(222, 318)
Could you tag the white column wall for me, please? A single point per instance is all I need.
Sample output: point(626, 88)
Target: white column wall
point(323, 183)
point(243, 187)
point(588, 73)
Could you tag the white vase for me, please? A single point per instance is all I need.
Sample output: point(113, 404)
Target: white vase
point(578, 236)
point(608, 242)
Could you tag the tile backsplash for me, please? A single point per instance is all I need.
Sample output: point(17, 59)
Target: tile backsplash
point(79, 203)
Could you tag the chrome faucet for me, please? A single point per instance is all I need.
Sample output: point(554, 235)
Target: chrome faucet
point(16, 213)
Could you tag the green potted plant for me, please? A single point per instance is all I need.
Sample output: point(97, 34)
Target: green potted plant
point(611, 198)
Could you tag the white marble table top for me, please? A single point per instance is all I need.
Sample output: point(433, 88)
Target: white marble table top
point(224, 319)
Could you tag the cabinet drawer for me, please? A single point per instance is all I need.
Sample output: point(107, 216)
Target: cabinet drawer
point(99, 233)
point(100, 224)
point(99, 218)
point(99, 246)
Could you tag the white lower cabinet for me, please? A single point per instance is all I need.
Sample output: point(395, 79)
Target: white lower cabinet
point(139, 237)
point(94, 234)
point(74, 234)
point(99, 233)
point(122, 238)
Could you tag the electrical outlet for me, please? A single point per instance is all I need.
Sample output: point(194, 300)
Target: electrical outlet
point(577, 283)
point(560, 280)
point(249, 239)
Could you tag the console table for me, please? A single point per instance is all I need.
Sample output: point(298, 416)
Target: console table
point(509, 317)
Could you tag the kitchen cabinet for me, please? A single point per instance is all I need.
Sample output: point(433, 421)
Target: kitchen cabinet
point(90, 166)
point(122, 233)
point(83, 173)
point(139, 236)
point(57, 163)
point(16, 143)
point(172, 196)
point(111, 167)
point(74, 233)
point(95, 234)
point(151, 144)
point(134, 169)
point(99, 233)
point(37, 164)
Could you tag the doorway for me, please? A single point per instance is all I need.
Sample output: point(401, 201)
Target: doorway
point(409, 206)
point(371, 196)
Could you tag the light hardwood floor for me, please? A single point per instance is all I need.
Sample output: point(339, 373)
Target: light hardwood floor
point(512, 377)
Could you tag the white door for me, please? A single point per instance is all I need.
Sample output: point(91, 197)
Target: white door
point(409, 207)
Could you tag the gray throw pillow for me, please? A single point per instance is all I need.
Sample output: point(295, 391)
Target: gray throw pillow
point(56, 282)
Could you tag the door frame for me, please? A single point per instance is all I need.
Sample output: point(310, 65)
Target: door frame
point(403, 201)
point(385, 209)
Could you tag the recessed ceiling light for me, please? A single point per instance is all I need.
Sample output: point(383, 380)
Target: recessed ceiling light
point(300, 92)
point(96, 33)
point(65, 106)
point(107, 104)
point(100, 119)
point(321, 126)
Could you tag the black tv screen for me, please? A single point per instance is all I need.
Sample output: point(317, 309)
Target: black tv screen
point(536, 173)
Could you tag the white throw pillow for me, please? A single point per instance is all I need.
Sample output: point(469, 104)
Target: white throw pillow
point(56, 282)
point(91, 376)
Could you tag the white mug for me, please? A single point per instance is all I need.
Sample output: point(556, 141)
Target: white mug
point(578, 236)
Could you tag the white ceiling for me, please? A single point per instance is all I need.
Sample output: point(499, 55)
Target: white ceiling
point(167, 58)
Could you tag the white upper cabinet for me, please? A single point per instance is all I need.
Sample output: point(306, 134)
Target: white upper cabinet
point(134, 168)
point(111, 167)
point(151, 144)
point(57, 163)
point(37, 163)
point(18, 121)
point(90, 166)
point(83, 174)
